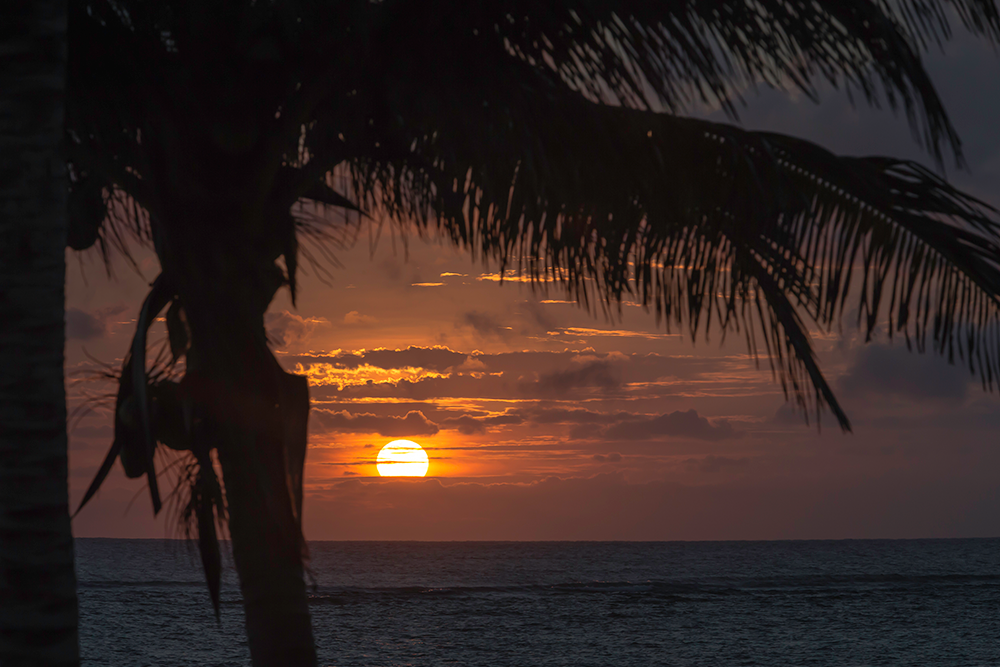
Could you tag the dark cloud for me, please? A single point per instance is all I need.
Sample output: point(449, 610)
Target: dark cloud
point(413, 423)
point(576, 416)
point(584, 432)
point(537, 320)
point(681, 424)
point(285, 328)
point(473, 424)
point(599, 374)
point(506, 419)
point(486, 325)
point(613, 457)
point(81, 325)
point(527, 318)
point(465, 425)
point(880, 370)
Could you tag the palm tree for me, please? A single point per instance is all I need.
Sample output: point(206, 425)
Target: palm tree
point(38, 611)
point(545, 136)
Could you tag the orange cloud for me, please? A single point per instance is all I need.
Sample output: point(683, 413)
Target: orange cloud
point(354, 318)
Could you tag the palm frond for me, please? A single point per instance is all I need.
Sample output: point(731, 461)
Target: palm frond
point(669, 54)
point(285, 65)
point(701, 220)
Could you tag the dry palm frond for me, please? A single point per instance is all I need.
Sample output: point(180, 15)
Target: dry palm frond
point(197, 501)
point(163, 371)
point(197, 505)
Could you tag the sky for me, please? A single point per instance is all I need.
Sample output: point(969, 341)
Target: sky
point(543, 421)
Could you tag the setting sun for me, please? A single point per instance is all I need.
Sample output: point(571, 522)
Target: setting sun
point(402, 458)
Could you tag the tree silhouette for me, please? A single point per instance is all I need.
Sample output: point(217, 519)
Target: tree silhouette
point(545, 136)
point(38, 609)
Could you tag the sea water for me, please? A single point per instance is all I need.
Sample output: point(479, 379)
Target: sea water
point(831, 603)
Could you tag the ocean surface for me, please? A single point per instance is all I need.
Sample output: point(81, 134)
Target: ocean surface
point(831, 603)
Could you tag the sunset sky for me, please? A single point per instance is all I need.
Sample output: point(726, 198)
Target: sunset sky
point(543, 421)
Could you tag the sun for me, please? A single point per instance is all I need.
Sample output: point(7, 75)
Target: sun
point(402, 458)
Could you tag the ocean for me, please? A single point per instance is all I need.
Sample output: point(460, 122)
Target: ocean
point(830, 603)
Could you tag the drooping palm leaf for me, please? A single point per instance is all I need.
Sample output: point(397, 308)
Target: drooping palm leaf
point(134, 442)
point(206, 505)
point(699, 219)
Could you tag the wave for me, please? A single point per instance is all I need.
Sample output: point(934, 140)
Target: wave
point(666, 589)
point(83, 583)
point(713, 584)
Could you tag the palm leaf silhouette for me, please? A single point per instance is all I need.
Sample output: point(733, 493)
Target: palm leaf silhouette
point(698, 219)
point(667, 54)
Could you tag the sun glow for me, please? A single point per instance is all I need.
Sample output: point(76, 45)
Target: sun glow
point(402, 458)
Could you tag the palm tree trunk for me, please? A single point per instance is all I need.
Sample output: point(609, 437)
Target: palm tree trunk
point(238, 384)
point(266, 549)
point(38, 609)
